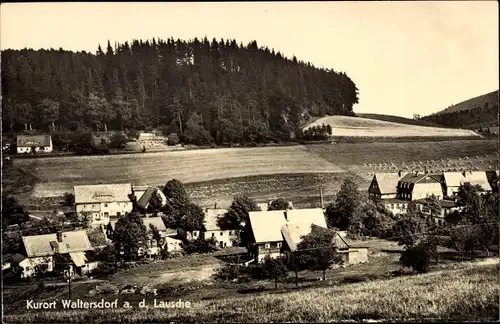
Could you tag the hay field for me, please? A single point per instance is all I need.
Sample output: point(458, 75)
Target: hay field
point(218, 174)
point(469, 293)
point(58, 175)
point(364, 127)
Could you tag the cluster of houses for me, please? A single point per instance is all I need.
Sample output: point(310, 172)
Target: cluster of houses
point(27, 144)
point(396, 190)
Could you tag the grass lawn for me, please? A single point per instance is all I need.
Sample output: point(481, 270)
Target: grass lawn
point(469, 292)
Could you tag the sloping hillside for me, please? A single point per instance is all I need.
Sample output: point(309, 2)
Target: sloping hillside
point(398, 119)
point(478, 112)
point(364, 127)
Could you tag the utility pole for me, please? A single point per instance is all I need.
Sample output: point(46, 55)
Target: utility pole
point(321, 196)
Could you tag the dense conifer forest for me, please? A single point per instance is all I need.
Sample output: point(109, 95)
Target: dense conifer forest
point(204, 91)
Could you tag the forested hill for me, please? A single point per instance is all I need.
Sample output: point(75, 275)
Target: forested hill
point(206, 90)
point(475, 113)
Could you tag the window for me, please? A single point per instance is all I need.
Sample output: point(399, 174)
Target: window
point(213, 234)
point(268, 245)
point(230, 233)
point(27, 268)
point(196, 234)
point(106, 214)
point(118, 214)
point(278, 245)
point(105, 205)
point(397, 206)
point(221, 233)
point(392, 206)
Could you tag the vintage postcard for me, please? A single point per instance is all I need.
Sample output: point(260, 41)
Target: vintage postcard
point(256, 162)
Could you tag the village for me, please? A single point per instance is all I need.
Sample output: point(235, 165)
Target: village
point(276, 228)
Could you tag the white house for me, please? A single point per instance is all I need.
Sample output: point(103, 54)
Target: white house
point(414, 186)
point(224, 238)
point(103, 201)
point(453, 180)
point(41, 251)
point(40, 143)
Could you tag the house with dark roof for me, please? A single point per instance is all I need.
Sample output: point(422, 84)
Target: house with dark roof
point(103, 201)
point(384, 185)
point(37, 143)
point(43, 250)
point(144, 200)
point(414, 186)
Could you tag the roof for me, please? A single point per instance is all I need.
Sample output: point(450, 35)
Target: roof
point(420, 178)
point(33, 140)
point(78, 258)
point(266, 225)
point(307, 215)
point(340, 242)
point(293, 233)
point(14, 257)
point(156, 221)
point(143, 202)
point(456, 179)
point(478, 178)
point(42, 245)
point(102, 193)
point(387, 182)
point(211, 216)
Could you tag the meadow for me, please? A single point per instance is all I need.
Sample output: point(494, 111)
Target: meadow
point(264, 172)
point(466, 291)
point(366, 127)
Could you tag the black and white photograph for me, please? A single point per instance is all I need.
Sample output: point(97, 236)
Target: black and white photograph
point(250, 162)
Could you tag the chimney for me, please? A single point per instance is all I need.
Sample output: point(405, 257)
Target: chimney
point(59, 237)
point(425, 169)
point(416, 173)
point(215, 205)
point(399, 173)
point(463, 173)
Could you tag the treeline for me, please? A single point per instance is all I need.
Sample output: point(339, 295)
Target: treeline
point(475, 117)
point(205, 91)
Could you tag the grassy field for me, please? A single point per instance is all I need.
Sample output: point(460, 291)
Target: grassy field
point(397, 119)
point(356, 126)
point(211, 175)
point(466, 291)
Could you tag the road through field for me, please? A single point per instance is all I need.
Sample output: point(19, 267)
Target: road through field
point(58, 175)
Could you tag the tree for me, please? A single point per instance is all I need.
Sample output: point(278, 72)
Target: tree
point(155, 235)
point(155, 202)
point(200, 245)
point(175, 193)
point(274, 268)
point(316, 251)
point(278, 204)
point(416, 257)
point(411, 230)
point(68, 199)
point(345, 209)
point(50, 111)
point(237, 217)
point(191, 217)
point(173, 139)
point(130, 236)
point(13, 212)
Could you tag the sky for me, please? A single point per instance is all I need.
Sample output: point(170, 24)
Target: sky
point(404, 57)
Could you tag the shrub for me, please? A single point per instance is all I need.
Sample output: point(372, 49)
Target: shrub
point(416, 257)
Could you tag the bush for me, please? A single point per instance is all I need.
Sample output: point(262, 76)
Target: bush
point(416, 257)
point(104, 269)
point(118, 141)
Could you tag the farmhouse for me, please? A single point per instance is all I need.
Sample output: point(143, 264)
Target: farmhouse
point(37, 143)
point(267, 237)
point(270, 227)
point(103, 201)
point(152, 247)
point(224, 238)
point(152, 139)
point(41, 251)
point(349, 253)
point(384, 185)
point(396, 206)
point(453, 180)
point(414, 186)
